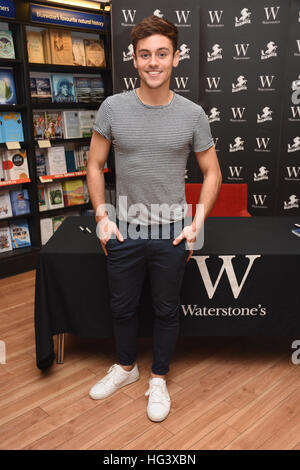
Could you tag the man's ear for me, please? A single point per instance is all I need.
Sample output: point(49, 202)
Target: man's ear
point(176, 58)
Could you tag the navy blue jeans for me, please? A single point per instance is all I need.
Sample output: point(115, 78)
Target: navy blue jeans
point(127, 264)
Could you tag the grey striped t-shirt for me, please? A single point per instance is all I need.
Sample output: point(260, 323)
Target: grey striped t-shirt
point(151, 145)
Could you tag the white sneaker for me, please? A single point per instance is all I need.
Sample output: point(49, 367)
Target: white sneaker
point(116, 378)
point(159, 402)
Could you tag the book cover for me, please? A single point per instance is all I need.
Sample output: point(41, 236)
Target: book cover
point(12, 126)
point(1, 133)
point(7, 87)
point(63, 89)
point(5, 204)
point(55, 195)
point(2, 174)
point(19, 232)
point(78, 52)
point(43, 88)
point(46, 229)
point(70, 161)
point(53, 125)
point(94, 52)
point(33, 90)
point(83, 89)
point(73, 192)
point(46, 46)
point(35, 47)
point(15, 164)
point(39, 125)
point(42, 198)
point(71, 124)
point(7, 50)
point(86, 122)
point(41, 169)
point(5, 239)
point(20, 201)
point(61, 47)
point(56, 160)
point(97, 90)
point(57, 221)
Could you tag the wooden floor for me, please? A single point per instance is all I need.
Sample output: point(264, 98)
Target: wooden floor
point(227, 393)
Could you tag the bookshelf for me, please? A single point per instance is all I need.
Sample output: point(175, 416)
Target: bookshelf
point(22, 259)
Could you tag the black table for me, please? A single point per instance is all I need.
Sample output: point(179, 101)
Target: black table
point(243, 282)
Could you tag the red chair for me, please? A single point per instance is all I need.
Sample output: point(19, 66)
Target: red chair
point(231, 202)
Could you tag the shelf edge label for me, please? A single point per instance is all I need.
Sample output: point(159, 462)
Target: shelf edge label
point(7, 8)
point(72, 18)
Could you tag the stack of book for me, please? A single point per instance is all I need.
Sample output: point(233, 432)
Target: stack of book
point(65, 88)
point(13, 164)
point(14, 202)
point(57, 195)
point(65, 124)
point(14, 235)
point(60, 48)
point(57, 161)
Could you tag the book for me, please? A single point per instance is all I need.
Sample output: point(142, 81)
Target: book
point(71, 124)
point(46, 46)
point(5, 204)
point(86, 194)
point(94, 52)
point(56, 160)
point(19, 232)
point(46, 229)
point(39, 125)
point(296, 231)
point(2, 174)
point(20, 201)
point(12, 126)
point(35, 47)
point(7, 50)
point(42, 198)
point(40, 158)
point(43, 89)
point(55, 195)
point(83, 89)
point(53, 125)
point(5, 239)
point(70, 161)
point(73, 192)
point(61, 47)
point(78, 52)
point(86, 121)
point(57, 221)
point(63, 89)
point(7, 87)
point(15, 164)
point(33, 89)
point(97, 90)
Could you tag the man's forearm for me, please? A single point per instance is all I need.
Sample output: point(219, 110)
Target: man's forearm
point(210, 190)
point(96, 186)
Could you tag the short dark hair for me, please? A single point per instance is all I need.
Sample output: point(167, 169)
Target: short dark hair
point(154, 25)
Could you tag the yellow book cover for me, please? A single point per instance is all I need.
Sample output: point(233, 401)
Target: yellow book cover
point(94, 52)
point(61, 47)
point(73, 192)
point(46, 44)
point(35, 47)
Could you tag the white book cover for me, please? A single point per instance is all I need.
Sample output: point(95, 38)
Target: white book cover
point(55, 195)
point(78, 52)
point(5, 204)
point(16, 166)
point(71, 124)
point(56, 161)
point(86, 122)
point(46, 229)
point(5, 239)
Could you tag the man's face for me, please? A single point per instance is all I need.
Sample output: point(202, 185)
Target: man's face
point(154, 60)
point(64, 89)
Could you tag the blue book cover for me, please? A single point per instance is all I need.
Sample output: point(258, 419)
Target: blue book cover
point(20, 201)
point(7, 87)
point(19, 232)
point(70, 161)
point(1, 132)
point(63, 89)
point(12, 127)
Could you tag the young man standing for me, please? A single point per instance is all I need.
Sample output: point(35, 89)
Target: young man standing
point(152, 130)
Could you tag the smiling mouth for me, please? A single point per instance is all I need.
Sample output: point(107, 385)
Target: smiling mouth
point(153, 74)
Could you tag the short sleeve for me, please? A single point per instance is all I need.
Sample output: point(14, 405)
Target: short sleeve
point(202, 138)
point(102, 122)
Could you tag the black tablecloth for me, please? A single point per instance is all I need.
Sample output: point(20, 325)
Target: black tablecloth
point(244, 281)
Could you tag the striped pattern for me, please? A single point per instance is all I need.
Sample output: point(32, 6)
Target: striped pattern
point(152, 144)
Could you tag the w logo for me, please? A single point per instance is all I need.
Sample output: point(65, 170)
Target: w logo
point(216, 14)
point(182, 15)
point(271, 11)
point(130, 82)
point(129, 14)
point(228, 268)
point(181, 81)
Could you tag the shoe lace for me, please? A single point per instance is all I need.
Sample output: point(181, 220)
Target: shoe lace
point(157, 393)
point(110, 374)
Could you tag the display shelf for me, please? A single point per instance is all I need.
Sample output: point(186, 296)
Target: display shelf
point(13, 107)
point(10, 62)
point(65, 106)
point(51, 212)
point(12, 182)
point(74, 174)
point(77, 140)
point(21, 216)
point(35, 67)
